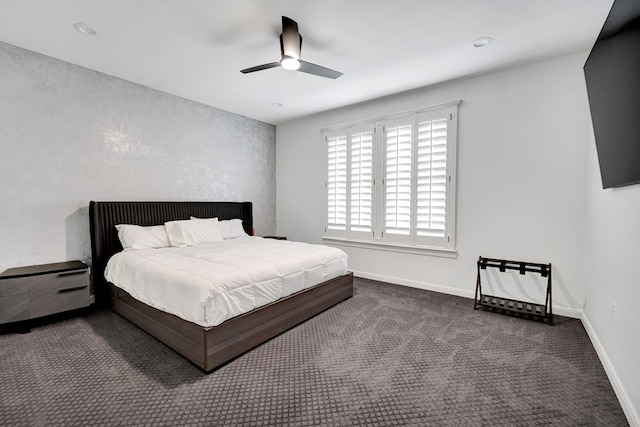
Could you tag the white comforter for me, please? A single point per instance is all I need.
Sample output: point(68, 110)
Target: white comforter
point(209, 284)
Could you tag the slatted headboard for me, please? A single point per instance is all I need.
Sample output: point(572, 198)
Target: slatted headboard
point(104, 216)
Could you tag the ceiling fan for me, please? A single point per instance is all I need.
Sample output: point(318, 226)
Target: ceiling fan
point(290, 47)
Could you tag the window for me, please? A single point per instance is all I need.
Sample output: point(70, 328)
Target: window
point(392, 181)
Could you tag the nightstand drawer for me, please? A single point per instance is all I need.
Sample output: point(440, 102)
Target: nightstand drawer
point(14, 286)
point(58, 281)
point(14, 308)
point(50, 302)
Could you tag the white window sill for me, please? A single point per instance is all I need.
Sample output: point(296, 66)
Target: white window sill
point(391, 247)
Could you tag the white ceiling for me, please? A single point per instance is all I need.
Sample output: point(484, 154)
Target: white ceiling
point(196, 48)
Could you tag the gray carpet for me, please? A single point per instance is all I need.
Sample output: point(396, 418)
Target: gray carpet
point(391, 355)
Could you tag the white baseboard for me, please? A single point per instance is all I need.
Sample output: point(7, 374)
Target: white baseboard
point(562, 311)
point(627, 406)
point(415, 284)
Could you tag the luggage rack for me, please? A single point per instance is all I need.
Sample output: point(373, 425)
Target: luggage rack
point(537, 311)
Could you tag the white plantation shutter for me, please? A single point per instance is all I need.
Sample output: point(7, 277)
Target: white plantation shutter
point(337, 182)
point(431, 176)
point(361, 166)
point(397, 179)
point(413, 157)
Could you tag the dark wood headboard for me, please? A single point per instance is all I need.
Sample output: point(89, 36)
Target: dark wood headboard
point(104, 216)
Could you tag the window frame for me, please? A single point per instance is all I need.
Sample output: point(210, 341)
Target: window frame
point(378, 238)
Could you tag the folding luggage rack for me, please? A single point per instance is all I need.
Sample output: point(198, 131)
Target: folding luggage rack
point(537, 311)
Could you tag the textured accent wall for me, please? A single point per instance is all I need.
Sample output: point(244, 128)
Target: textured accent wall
point(69, 135)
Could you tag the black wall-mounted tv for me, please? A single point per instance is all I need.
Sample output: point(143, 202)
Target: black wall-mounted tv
point(612, 74)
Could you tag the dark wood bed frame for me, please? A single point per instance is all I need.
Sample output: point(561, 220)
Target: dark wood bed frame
point(207, 347)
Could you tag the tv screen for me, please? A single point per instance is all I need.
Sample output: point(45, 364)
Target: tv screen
point(612, 74)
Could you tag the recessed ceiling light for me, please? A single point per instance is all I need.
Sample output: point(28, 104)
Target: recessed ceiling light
point(482, 41)
point(84, 29)
point(276, 105)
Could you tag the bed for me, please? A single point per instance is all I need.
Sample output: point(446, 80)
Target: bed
point(208, 347)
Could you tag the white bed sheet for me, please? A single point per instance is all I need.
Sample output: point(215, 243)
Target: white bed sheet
point(211, 283)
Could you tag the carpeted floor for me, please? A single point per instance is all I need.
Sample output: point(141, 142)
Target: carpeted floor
point(391, 355)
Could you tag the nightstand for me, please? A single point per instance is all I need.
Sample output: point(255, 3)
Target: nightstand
point(40, 290)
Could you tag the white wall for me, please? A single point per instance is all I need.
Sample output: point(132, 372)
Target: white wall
point(69, 135)
point(612, 275)
point(522, 153)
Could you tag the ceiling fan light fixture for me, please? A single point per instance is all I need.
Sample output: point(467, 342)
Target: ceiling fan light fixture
point(290, 63)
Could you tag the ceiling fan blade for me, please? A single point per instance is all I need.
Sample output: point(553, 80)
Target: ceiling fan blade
point(260, 67)
point(308, 67)
point(290, 39)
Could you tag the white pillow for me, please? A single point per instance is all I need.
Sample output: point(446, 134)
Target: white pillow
point(229, 228)
point(190, 233)
point(137, 237)
point(232, 229)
